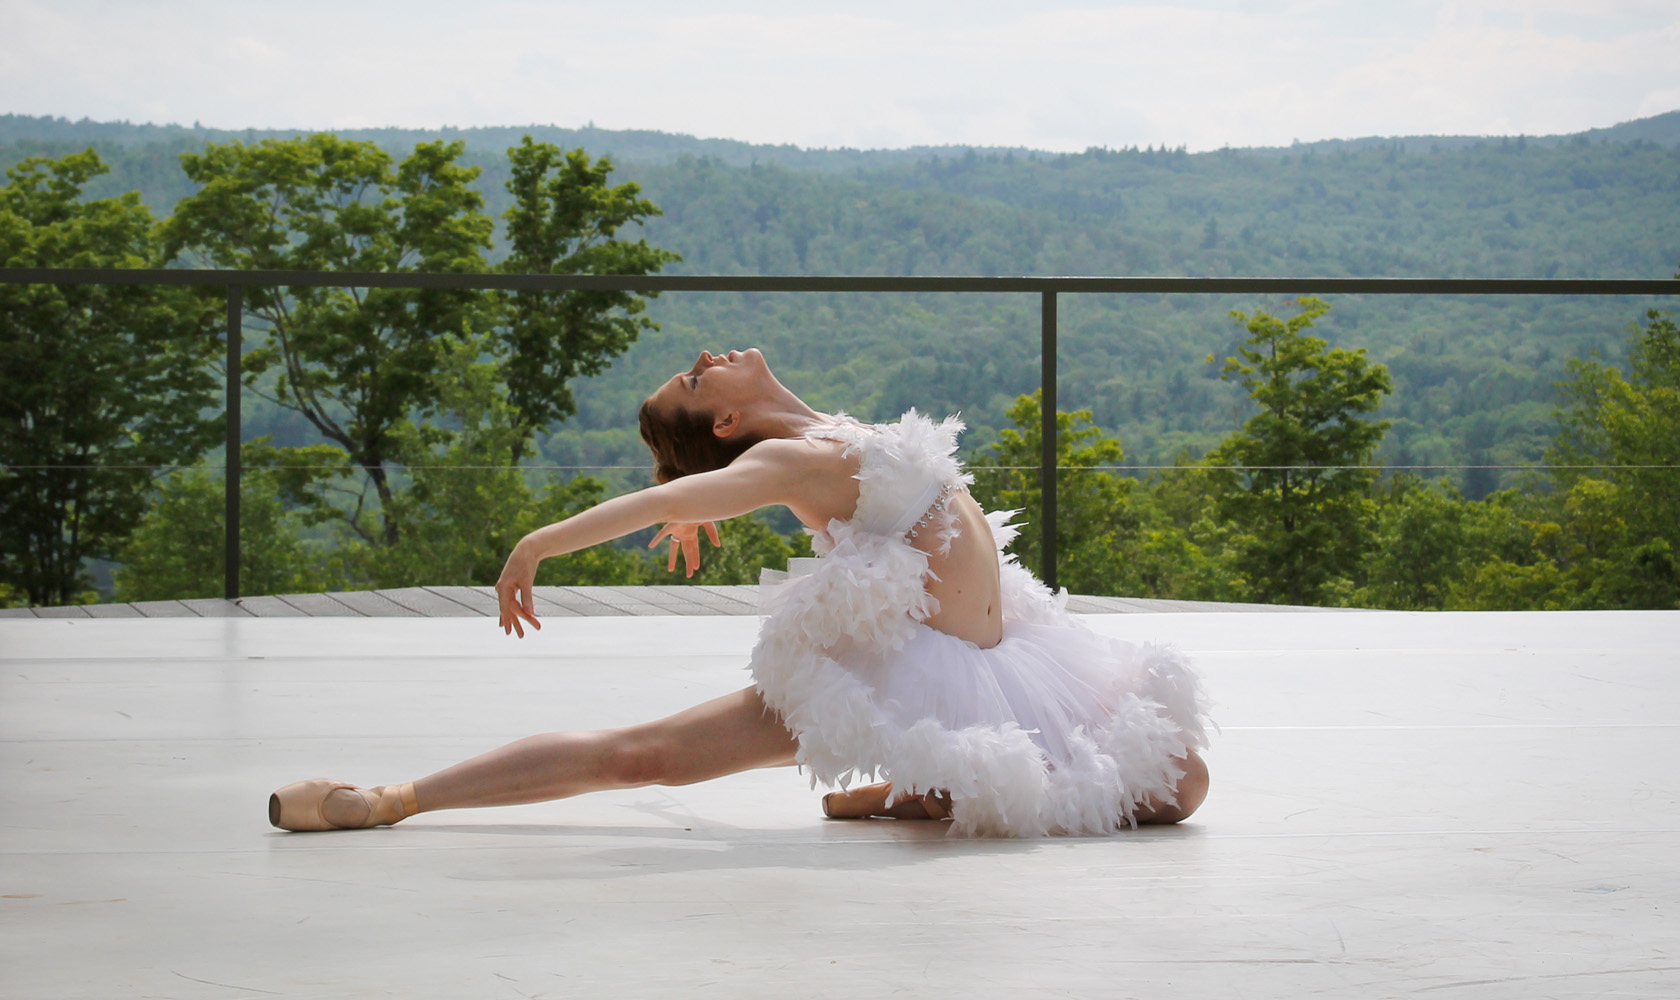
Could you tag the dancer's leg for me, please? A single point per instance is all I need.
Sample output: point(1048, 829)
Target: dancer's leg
point(733, 733)
point(1188, 795)
point(872, 800)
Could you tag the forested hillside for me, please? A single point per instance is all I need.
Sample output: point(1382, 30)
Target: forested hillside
point(474, 382)
point(1473, 378)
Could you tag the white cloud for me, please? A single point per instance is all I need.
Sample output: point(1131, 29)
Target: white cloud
point(1205, 74)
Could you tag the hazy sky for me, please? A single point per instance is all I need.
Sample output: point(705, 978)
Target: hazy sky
point(1050, 75)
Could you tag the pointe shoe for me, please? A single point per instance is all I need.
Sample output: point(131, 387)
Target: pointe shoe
point(937, 805)
point(871, 801)
point(857, 803)
point(297, 807)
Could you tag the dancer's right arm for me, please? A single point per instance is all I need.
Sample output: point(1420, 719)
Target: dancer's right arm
point(761, 477)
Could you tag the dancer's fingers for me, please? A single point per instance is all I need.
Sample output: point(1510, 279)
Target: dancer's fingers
point(691, 552)
point(528, 608)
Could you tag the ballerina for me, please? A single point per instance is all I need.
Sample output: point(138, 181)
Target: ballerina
point(915, 650)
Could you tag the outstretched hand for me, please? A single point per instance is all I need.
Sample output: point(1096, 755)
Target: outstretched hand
point(515, 596)
point(685, 538)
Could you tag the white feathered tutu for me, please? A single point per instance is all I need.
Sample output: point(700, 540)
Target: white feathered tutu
point(1056, 729)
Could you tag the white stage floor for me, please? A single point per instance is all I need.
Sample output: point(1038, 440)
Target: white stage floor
point(1452, 805)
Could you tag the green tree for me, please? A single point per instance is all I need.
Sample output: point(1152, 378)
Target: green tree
point(1602, 537)
point(1512, 539)
point(425, 398)
point(1094, 515)
point(1629, 426)
point(1422, 546)
point(1184, 549)
point(466, 505)
point(361, 365)
point(1114, 536)
point(99, 384)
point(564, 220)
point(1296, 490)
point(1606, 536)
point(179, 549)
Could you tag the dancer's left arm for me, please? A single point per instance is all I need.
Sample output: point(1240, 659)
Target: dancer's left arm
point(756, 479)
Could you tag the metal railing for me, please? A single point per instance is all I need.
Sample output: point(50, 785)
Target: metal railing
point(1047, 288)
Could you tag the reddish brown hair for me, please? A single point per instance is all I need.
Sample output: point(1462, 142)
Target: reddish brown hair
point(683, 444)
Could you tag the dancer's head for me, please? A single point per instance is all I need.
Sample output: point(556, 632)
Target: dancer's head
point(697, 421)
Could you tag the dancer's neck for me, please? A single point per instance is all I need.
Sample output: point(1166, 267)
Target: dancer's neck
point(783, 415)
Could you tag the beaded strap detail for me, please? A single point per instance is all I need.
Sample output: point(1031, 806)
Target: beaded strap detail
point(937, 509)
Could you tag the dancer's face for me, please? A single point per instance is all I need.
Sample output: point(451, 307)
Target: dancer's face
point(717, 384)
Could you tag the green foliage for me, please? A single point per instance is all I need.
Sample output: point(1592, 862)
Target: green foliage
point(1418, 546)
point(12, 597)
point(1431, 546)
point(1516, 550)
point(1608, 537)
point(465, 505)
point(99, 385)
point(448, 385)
point(1185, 549)
point(361, 365)
point(1297, 493)
point(465, 521)
point(422, 390)
point(179, 550)
point(1093, 507)
point(1113, 535)
point(563, 221)
point(1473, 376)
point(1614, 420)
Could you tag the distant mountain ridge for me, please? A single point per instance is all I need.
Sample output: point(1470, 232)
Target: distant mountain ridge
point(1661, 130)
point(648, 146)
point(624, 145)
point(1474, 376)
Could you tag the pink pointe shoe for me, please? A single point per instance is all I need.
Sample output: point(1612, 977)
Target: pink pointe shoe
point(297, 807)
point(871, 802)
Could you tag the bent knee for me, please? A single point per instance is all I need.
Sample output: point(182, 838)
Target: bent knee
point(1193, 787)
point(1188, 795)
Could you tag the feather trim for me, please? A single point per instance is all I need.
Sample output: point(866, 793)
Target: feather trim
point(832, 629)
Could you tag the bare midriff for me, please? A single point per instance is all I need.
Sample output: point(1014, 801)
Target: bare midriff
point(965, 578)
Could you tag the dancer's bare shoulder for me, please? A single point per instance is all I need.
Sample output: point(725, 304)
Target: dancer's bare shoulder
point(817, 476)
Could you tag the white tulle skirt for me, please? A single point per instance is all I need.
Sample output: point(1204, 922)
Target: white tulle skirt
point(1054, 683)
point(1056, 729)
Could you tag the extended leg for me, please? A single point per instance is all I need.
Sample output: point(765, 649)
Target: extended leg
point(733, 733)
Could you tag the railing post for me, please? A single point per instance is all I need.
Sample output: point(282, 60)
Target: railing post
point(1047, 442)
point(230, 482)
